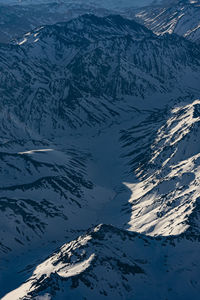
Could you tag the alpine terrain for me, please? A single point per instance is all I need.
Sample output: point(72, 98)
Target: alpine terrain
point(100, 156)
point(180, 17)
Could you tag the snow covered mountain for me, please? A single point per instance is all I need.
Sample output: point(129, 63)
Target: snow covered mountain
point(165, 197)
point(71, 65)
point(96, 117)
point(109, 4)
point(180, 17)
point(16, 20)
point(111, 263)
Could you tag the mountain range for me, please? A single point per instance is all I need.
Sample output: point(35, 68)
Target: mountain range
point(180, 17)
point(100, 158)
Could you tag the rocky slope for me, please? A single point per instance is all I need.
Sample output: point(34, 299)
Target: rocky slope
point(71, 65)
point(19, 19)
point(164, 155)
point(111, 263)
point(180, 17)
point(96, 118)
point(95, 3)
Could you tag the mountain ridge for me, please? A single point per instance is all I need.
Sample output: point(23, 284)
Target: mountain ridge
point(95, 126)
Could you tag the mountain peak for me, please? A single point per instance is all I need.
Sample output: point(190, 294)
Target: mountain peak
point(88, 27)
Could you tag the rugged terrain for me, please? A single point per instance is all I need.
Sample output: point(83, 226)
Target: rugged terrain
point(180, 17)
point(100, 123)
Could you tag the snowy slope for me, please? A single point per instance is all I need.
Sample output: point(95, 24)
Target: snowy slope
point(111, 263)
point(40, 188)
point(119, 58)
point(180, 17)
point(17, 20)
point(109, 4)
point(96, 118)
point(163, 152)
